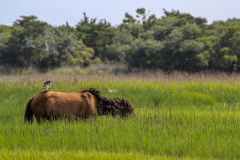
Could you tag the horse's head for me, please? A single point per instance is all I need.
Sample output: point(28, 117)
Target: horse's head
point(112, 106)
point(126, 109)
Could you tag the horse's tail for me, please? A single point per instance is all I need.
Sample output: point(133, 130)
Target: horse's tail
point(28, 117)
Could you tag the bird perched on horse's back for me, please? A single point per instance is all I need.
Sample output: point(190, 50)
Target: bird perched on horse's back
point(47, 85)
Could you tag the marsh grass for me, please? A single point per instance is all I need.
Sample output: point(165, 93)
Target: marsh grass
point(178, 118)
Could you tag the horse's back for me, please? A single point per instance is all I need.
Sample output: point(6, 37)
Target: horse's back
point(70, 104)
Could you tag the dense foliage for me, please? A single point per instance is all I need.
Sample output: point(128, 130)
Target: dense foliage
point(175, 41)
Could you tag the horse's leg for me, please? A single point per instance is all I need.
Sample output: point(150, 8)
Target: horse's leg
point(38, 118)
point(41, 118)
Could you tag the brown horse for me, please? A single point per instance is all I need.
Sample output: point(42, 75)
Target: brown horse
point(49, 105)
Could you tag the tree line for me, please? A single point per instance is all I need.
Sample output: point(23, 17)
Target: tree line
point(174, 42)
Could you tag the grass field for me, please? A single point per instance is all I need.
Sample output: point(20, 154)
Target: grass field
point(179, 116)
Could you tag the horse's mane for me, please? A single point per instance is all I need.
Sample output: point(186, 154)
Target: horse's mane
point(111, 105)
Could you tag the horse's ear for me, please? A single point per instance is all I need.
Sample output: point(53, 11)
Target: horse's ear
point(124, 102)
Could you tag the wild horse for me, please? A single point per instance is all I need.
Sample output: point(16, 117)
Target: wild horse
point(48, 105)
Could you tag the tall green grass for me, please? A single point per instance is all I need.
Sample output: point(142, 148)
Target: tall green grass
point(175, 119)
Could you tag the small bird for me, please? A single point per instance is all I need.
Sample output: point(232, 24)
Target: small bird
point(47, 85)
point(111, 90)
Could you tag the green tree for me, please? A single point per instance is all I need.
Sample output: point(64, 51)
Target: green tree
point(209, 58)
point(5, 34)
point(169, 43)
point(59, 46)
point(180, 47)
point(95, 35)
point(145, 54)
point(228, 59)
point(230, 48)
point(26, 27)
point(129, 19)
point(143, 18)
point(185, 18)
point(79, 54)
point(117, 51)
